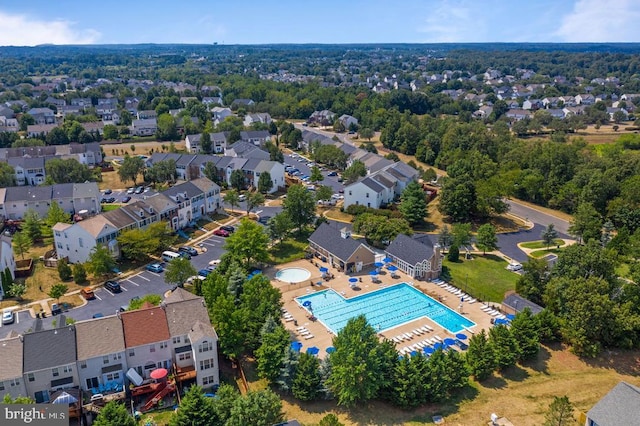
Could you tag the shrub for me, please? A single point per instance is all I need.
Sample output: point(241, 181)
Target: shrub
point(64, 270)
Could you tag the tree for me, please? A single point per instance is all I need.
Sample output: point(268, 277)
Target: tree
point(195, 410)
point(354, 171)
point(413, 203)
point(100, 261)
point(18, 400)
point(64, 270)
point(114, 414)
point(316, 175)
point(279, 227)
point(67, 171)
point(167, 128)
point(560, 412)
point(256, 408)
point(487, 240)
point(161, 171)
point(461, 234)
point(586, 224)
point(444, 237)
point(265, 184)
point(57, 291)
point(56, 215)
point(130, 168)
point(480, 356)
point(237, 180)
point(153, 299)
point(379, 230)
point(21, 243)
point(506, 351)
point(549, 235)
point(32, 225)
point(457, 199)
point(178, 271)
point(366, 133)
point(454, 253)
point(324, 192)
point(532, 283)
point(330, 420)
point(17, 290)
point(232, 198)
point(248, 244)
point(254, 199)
point(526, 331)
point(79, 273)
point(307, 380)
point(110, 132)
point(205, 143)
point(7, 175)
point(357, 365)
point(136, 244)
point(270, 354)
point(300, 206)
point(57, 136)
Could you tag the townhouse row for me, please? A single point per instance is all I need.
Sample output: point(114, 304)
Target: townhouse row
point(177, 336)
point(179, 206)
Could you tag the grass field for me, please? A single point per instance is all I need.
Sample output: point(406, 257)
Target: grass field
point(289, 250)
point(484, 277)
point(542, 253)
point(109, 207)
point(536, 245)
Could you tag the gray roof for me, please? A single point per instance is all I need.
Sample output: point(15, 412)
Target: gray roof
point(182, 315)
point(156, 157)
point(98, 337)
point(118, 218)
point(204, 184)
point(177, 190)
point(620, 407)
point(404, 168)
point(241, 147)
point(251, 164)
point(409, 249)
point(11, 355)
point(28, 193)
point(219, 136)
point(85, 190)
point(27, 162)
point(202, 159)
point(160, 202)
point(49, 348)
point(185, 160)
point(200, 330)
point(253, 134)
point(62, 190)
point(372, 184)
point(519, 303)
point(329, 238)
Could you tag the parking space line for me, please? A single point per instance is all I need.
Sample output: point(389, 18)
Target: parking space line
point(108, 292)
point(97, 297)
point(123, 288)
point(132, 282)
point(144, 278)
point(208, 244)
point(157, 275)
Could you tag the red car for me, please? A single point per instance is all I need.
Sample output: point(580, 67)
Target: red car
point(221, 233)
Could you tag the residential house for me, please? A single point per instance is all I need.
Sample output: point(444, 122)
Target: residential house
point(144, 127)
point(585, 99)
point(322, 118)
point(8, 124)
point(6, 112)
point(219, 142)
point(219, 114)
point(256, 137)
point(532, 104)
point(42, 115)
point(246, 150)
point(100, 352)
point(612, 113)
point(513, 303)
point(276, 172)
point(192, 143)
point(193, 339)
point(210, 101)
point(106, 106)
point(89, 154)
point(182, 164)
point(348, 121)
point(418, 258)
point(146, 339)
point(76, 241)
point(131, 105)
point(518, 114)
point(194, 199)
point(28, 171)
point(336, 247)
point(242, 103)
point(84, 103)
point(40, 130)
point(381, 187)
point(55, 102)
point(11, 379)
point(49, 361)
point(7, 261)
point(147, 114)
point(619, 407)
point(260, 117)
point(67, 110)
point(483, 112)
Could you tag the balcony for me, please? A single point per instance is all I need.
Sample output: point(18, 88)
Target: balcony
point(185, 373)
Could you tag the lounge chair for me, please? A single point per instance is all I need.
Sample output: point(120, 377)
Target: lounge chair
point(438, 338)
point(310, 336)
point(290, 319)
point(302, 327)
point(410, 334)
point(417, 331)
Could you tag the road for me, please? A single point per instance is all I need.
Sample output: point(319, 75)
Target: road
point(538, 217)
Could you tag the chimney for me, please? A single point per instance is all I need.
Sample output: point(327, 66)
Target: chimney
point(345, 233)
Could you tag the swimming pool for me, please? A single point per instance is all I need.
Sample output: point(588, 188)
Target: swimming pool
point(293, 275)
point(385, 308)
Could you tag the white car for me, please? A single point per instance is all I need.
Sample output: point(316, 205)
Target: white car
point(514, 266)
point(214, 262)
point(8, 317)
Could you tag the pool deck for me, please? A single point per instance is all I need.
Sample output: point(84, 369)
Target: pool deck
point(322, 337)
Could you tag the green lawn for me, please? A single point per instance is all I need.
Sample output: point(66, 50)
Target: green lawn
point(109, 207)
point(288, 250)
point(542, 253)
point(534, 245)
point(484, 277)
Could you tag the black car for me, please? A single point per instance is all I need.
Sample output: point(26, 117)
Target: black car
point(107, 191)
point(113, 286)
point(189, 250)
point(264, 219)
point(126, 199)
point(185, 255)
point(228, 228)
point(109, 200)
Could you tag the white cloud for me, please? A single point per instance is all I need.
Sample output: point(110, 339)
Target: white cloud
point(601, 21)
point(22, 30)
point(454, 21)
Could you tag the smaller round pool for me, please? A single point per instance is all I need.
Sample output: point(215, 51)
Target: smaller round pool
point(293, 275)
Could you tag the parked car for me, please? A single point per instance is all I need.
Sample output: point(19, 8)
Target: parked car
point(8, 317)
point(221, 233)
point(139, 190)
point(155, 267)
point(55, 309)
point(98, 315)
point(514, 266)
point(204, 272)
point(264, 219)
point(113, 286)
point(190, 250)
point(228, 228)
point(185, 255)
point(87, 293)
point(107, 191)
point(242, 197)
point(214, 262)
point(131, 190)
point(332, 174)
point(126, 199)
point(108, 200)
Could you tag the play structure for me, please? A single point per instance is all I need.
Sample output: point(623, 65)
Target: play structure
point(158, 389)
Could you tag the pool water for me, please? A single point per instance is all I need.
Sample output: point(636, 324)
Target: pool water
point(385, 308)
point(293, 275)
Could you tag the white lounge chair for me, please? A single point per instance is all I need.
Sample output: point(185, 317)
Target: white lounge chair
point(302, 327)
point(290, 319)
point(438, 338)
point(305, 333)
point(310, 336)
point(417, 331)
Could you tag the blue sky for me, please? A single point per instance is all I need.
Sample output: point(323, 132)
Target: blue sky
point(329, 21)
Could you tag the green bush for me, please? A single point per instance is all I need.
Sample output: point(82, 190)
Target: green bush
point(64, 270)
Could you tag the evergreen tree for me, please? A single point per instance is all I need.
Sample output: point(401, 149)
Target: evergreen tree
point(226, 398)
point(413, 203)
point(307, 380)
point(31, 225)
point(195, 410)
point(505, 346)
point(438, 372)
point(526, 331)
point(288, 369)
point(21, 243)
point(256, 408)
point(64, 270)
point(454, 254)
point(270, 354)
point(480, 356)
point(330, 420)
point(560, 412)
point(205, 143)
point(79, 273)
point(549, 235)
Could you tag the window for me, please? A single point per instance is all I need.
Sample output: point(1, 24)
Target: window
point(105, 359)
point(176, 340)
point(206, 364)
point(208, 380)
point(15, 382)
point(152, 348)
point(205, 347)
point(1, 386)
point(82, 245)
point(132, 352)
point(367, 195)
point(113, 376)
point(83, 364)
point(58, 233)
point(31, 377)
point(163, 345)
point(350, 193)
point(55, 372)
point(117, 356)
point(66, 369)
point(184, 356)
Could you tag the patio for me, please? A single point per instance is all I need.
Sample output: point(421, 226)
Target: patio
point(301, 324)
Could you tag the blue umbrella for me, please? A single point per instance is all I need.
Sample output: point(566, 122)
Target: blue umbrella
point(330, 350)
point(461, 336)
point(373, 273)
point(296, 346)
point(501, 321)
point(324, 269)
point(306, 303)
point(449, 342)
point(387, 260)
point(414, 353)
point(353, 280)
point(378, 264)
point(438, 346)
point(313, 350)
point(510, 317)
point(428, 350)
point(392, 268)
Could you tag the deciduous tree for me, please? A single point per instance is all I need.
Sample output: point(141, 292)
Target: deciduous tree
point(100, 262)
point(257, 408)
point(248, 244)
point(57, 291)
point(195, 410)
point(237, 180)
point(130, 168)
point(232, 197)
point(486, 239)
point(265, 184)
point(32, 225)
point(178, 271)
point(549, 235)
point(271, 352)
point(307, 380)
point(354, 171)
point(56, 215)
point(300, 206)
point(21, 243)
point(586, 224)
point(114, 414)
point(254, 199)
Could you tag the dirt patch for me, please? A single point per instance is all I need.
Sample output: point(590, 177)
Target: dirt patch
point(141, 148)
